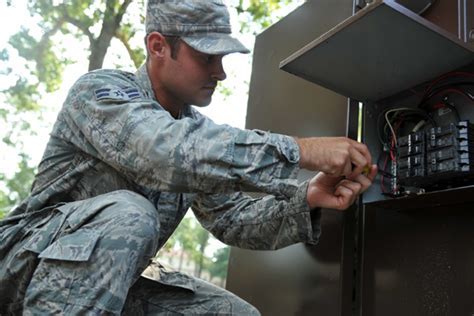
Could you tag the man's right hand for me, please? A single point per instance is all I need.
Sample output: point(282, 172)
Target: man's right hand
point(336, 156)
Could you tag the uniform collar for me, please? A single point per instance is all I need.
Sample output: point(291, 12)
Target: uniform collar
point(144, 81)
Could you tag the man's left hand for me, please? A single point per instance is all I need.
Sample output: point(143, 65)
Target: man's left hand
point(338, 193)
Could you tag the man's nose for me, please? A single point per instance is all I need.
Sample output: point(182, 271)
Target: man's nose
point(218, 72)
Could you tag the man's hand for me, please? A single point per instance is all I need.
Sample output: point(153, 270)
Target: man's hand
point(335, 192)
point(336, 156)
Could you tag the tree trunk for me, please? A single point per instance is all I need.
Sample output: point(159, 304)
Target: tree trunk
point(181, 257)
point(110, 26)
point(98, 52)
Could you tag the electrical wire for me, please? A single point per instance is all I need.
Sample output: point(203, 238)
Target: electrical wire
point(448, 75)
point(396, 110)
point(395, 119)
point(445, 86)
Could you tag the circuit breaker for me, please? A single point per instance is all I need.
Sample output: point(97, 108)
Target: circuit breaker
point(439, 157)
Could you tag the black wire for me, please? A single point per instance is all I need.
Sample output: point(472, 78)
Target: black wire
point(452, 108)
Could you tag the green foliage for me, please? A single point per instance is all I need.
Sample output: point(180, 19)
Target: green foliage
point(218, 268)
point(2, 213)
point(45, 61)
point(23, 96)
point(19, 185)
point(259, 12)
point(224, 90)
point(184, 235)
point(125, 34)
point(194, 240)
point(4, 55)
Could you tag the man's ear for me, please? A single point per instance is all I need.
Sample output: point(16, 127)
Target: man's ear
point(156, 45)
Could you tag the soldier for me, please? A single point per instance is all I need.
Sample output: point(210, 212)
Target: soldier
point(128, 156)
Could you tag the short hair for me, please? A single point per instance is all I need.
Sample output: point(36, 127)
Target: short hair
point(173, 41)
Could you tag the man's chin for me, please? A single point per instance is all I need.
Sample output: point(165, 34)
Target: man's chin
point(202, 103)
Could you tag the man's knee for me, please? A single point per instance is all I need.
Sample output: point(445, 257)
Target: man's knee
point(133, 212)
point(241, 307)
point(123, 220)
point(221, 301)
point(133, 202)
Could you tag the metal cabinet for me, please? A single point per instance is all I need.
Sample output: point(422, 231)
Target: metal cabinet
point(409, 255)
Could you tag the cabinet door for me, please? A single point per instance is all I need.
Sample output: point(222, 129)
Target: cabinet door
point(297, 280)
point(418, 262)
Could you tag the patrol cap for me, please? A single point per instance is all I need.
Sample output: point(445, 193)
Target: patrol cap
point(202, 24)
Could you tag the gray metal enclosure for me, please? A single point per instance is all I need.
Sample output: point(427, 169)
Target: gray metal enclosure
point(387, 256)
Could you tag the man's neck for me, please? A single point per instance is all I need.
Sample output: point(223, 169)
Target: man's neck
point(166, 100)
point(173, 108)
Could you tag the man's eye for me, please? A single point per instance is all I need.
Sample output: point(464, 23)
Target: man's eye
point(208, 58)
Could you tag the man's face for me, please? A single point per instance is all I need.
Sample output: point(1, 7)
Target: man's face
point(191, 77)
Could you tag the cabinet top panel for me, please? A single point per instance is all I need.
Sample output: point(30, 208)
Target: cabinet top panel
point(381, 50)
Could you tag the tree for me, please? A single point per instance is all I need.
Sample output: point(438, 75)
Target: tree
point(202, 237)
point(184, 237)
point(260, 14)
point(218, 268)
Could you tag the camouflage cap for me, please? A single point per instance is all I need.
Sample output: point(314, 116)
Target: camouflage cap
point(202, 24)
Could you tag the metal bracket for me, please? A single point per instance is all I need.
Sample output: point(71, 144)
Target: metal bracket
point(466, 20)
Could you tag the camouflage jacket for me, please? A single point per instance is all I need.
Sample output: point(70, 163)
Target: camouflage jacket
point(112, 134)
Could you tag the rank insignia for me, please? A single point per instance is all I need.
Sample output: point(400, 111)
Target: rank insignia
point(116, 94)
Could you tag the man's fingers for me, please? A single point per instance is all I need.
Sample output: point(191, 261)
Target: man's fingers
point(366, 180)
point(354, 186)
point(362, 148)
point(358, 160)
point(372, 173)
point(348, 190)
point(334, 155)
point(344, 197)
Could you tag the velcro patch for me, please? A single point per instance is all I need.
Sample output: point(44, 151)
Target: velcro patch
point(117, 94)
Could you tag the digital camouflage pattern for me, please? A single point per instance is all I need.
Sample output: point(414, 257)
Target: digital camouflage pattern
point(202, 24)
point(116, 178)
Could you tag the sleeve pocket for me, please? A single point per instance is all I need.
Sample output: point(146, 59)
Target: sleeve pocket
point(77, 246)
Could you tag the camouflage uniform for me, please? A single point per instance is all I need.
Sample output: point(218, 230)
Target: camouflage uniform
point(117, 176)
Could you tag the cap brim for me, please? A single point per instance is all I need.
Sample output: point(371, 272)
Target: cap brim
point(215, 44)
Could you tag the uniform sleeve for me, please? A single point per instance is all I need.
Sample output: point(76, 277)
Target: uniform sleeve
point(136, 136)
point(259, 223)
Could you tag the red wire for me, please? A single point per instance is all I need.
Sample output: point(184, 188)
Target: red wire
point(453, 90)
point(438, 106)
point(449, 74)
point(382, 177)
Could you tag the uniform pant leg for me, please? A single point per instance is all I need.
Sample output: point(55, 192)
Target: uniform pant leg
point(149, 297)
point(104, 245)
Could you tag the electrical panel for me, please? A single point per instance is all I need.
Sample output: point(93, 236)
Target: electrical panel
point(415, 82)
point(430, 145)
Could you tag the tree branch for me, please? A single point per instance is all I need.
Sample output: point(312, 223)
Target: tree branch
point(51, 32)
point(123, 38)
point(110, 26)
point(80, 25)
point(121, 11)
